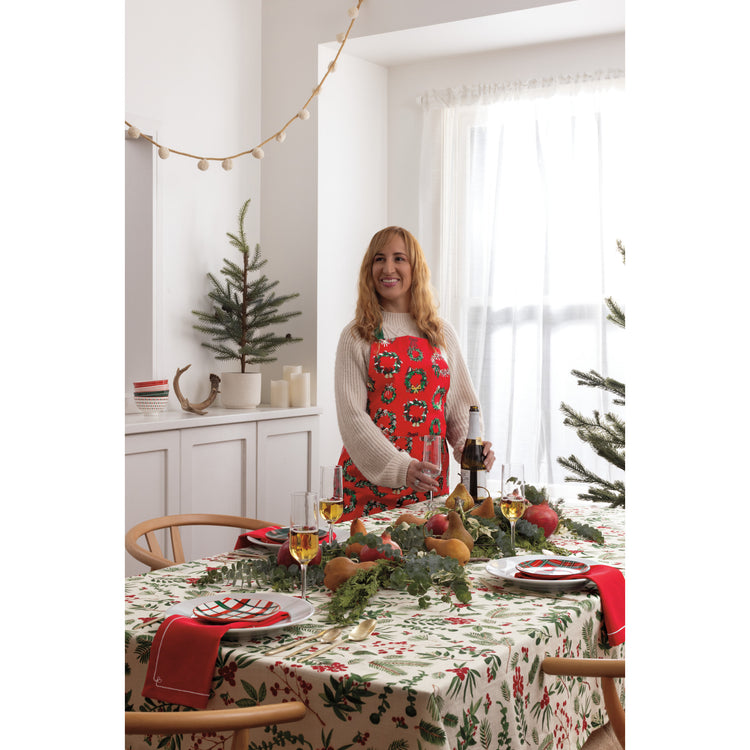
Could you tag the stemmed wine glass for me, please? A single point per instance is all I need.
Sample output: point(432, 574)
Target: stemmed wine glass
point(331, 496)
point(303, 531)
point(512, 497)
point(432, 453)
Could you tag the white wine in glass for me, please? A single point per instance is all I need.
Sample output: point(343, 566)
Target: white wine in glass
point(432, 452)
point(331, 496)
point(512, 497)
point(303, 531)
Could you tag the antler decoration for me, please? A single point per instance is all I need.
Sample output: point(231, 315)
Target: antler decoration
point(203, 405)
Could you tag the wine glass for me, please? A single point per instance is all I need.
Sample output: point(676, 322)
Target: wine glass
point(432, 453)
point(303, 531)
point(512, 497)
point(331, 496)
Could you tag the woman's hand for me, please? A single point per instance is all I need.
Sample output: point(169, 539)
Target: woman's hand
point(489, 456)
point(418, 480)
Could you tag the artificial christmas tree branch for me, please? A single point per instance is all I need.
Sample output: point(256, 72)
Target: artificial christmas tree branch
point(605, 436)
point(242, 306)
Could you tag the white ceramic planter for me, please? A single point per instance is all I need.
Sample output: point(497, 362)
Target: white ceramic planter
point(240, 390)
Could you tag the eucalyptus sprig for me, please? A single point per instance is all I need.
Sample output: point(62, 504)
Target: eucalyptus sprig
point(416, 573)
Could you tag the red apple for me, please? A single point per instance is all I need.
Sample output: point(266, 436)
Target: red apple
point(437, 524)
point(284, 556)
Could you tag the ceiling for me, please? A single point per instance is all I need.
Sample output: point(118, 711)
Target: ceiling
point(549, 23)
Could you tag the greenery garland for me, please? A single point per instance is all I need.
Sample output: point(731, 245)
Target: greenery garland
point(416, 571)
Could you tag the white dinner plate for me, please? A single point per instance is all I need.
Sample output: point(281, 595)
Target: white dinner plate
point(505, 569)
point(298, 609)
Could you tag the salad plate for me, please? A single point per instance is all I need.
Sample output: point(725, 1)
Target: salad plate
point(299, 610)
point(552, 567)
point(230, 609)
point(281, 534)
point(505, 569)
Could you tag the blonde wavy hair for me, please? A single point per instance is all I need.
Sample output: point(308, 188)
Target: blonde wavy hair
point(369, 316)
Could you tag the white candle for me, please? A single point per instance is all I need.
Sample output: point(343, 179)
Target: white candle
point(290, 370)
point(300, 390)
point(280, 393)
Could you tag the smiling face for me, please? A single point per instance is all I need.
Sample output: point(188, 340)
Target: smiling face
point(391, 275)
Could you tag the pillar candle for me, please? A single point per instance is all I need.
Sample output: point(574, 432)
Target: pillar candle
point(300, 389)
point(290, 370)
point(280, 393)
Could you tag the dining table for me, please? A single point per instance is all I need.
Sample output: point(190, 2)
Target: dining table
point(441, 674)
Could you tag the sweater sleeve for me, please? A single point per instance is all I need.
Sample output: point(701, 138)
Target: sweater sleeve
point(461, 394)
point(373, 454)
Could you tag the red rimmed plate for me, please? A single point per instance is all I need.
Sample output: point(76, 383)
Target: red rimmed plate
point(552, 567)
point(230, 609)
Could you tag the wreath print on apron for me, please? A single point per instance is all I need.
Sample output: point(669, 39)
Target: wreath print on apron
point(407, 385)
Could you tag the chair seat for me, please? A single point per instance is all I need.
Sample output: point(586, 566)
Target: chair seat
point(602, 738)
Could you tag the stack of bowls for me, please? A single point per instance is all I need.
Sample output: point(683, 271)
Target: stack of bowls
point(151, 396)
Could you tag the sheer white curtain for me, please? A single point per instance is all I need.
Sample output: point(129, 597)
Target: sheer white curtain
point(521, 200)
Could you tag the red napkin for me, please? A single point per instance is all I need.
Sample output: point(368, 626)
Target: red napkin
point(611, 584)
point(260, 535)
point(183, 657)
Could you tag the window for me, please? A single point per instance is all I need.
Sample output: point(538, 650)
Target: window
point(522, 196)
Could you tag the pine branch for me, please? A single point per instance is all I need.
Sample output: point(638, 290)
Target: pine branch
point(593, 379)
point(616, 315)
point(243, 305)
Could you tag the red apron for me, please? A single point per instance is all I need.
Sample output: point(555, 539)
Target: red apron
point(407, 386)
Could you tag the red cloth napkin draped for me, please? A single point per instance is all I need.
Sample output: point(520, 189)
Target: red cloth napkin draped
point(243, 540)
point(183, 657)
point(611, 584)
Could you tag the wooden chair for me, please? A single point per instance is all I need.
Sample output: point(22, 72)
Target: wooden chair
point(238, 720)
point(612, 734)
point(154, 557)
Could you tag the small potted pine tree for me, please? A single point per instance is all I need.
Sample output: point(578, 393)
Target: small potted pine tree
point(241, 308)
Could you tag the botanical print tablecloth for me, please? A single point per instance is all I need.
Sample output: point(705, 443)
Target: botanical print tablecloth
point(447, 677)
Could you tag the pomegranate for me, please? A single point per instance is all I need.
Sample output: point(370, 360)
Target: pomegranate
point(437, 524)
point(368, 554)
point(542, 515)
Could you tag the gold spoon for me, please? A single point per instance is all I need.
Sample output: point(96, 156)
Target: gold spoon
point(359, 633)
point(325, 635)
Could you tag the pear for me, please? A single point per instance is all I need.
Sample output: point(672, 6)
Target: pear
point(486, 509)
point(461, 493)
point(357, 527)
point(457, 530)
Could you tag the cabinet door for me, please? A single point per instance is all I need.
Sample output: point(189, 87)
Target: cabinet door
point(217, 476)
point(287, 462)
point(152, 484)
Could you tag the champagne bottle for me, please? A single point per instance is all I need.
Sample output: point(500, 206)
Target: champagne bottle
point(473, 473)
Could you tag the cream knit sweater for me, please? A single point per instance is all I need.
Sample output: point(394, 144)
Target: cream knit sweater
point(372, 452)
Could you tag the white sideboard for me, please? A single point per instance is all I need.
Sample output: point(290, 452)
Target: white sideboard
point(239, 462)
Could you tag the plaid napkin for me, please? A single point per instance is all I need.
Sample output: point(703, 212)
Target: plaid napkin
point(611, 584)
point(183, 657)
point(243, 540)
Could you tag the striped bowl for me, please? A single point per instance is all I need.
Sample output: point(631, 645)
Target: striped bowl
point(151, 405)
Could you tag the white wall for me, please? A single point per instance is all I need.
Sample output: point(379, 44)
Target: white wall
point(352, 197)
point(193, 69)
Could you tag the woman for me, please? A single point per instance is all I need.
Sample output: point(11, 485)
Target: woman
point(399, 375)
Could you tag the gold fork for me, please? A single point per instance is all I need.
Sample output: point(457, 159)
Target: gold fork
point(324, 635)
